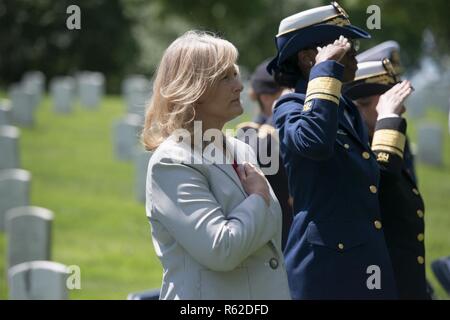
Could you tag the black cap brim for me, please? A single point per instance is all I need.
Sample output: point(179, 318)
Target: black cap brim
point(322, 33)
point(310, 36)
point(364, 90)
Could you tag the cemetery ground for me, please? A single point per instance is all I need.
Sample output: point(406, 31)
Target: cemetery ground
point(100, 227)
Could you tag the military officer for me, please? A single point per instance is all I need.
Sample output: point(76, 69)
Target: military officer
point(401, 204)
point(336, 247)
point(264, 90)
point(391, 50)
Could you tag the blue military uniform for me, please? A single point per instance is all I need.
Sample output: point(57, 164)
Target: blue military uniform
point(337, 232)
point(403, 210)
point(402, 206)
point(263, 83)
point(336, 246)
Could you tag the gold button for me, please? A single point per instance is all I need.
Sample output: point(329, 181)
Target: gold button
point(420, 260)
point(416, 192)
point(377, 224)
point(420, 237)
point(365, 155)
point(341, 246)
point(420, 213)
point(346, 146)
point(373, 189)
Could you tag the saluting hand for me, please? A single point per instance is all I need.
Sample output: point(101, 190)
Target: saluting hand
point(392, 100)
point(253, 181)
point(334, 51)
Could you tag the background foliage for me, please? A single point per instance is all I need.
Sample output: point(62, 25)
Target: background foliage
point(128, 36)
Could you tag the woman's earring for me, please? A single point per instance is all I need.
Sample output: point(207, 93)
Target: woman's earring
point(311, 63)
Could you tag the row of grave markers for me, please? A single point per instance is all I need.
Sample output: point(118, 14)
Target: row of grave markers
point(136, 92)
point(31, 274)
point(28, 233)
point(26, 95)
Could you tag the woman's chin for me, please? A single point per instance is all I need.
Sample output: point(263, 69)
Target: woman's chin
point(235, 111)
point(238, 109)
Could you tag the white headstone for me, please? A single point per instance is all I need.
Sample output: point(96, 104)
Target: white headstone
point(130, 80)
point(22, 105)
point(70, 81)
point(137, 91)
point(90, 93)
point(37, 79)
point(430, 144)
point(62, 90)
point(140, 173)
point(9, 147)
point(29, 234)
point(91, 88)
point(34, 82)
point(14, 191)
point(38, 280)
point(126, 133)
point(5, 112)
point(100, 77)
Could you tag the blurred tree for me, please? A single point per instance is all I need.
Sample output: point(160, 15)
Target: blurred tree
point(33, 35)
point(406, 22)
point(252, 25)
point(129, 36)
point(154, 31)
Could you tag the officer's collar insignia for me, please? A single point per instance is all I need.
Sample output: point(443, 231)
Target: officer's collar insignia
point(307, 106)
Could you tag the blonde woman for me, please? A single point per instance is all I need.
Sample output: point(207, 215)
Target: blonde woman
point(216, 225)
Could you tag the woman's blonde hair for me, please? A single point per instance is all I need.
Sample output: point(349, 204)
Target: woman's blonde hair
point(190, 65)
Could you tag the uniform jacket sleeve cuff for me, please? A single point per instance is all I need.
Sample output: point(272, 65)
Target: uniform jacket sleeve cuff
point(329, 68)
point(392, 123)
point(325, 82)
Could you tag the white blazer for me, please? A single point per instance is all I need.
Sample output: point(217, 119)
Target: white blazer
point(213, 239)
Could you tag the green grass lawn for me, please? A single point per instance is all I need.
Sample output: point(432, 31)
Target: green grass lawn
point(99, 225)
